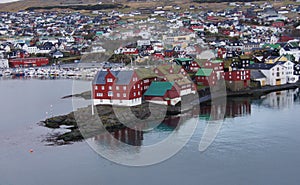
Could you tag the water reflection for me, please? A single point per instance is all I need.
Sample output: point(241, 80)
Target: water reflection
point(234, 107)
point(135, 137)
point(279, 100)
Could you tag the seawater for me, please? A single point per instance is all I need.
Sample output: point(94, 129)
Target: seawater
point(258, 143)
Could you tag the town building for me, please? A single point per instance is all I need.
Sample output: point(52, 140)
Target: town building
point(121, 88)
point(275, 73)
point(237, 80)
point(164, 93)
point(28, 62)
point(206, 77)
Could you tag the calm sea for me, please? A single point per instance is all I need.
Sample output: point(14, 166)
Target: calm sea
point(258, 143)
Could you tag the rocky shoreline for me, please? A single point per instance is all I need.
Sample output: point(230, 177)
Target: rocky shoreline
point(82, 124)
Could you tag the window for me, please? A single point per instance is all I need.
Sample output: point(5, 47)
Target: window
point(124, 88)
point(100, 94)
point(109, 80)
point(139, 86)
point(139, 93)
point(110, 93)
point(96, 87)
point(134, 94)
point(118, 95)
point(117, 88)
point(134, 87)
point(110, 88)
point(124, 95)
point(103, 87)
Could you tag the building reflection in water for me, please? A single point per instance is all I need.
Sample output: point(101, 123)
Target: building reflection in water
point(135, 137)
point(279, 100)
point(235, 107)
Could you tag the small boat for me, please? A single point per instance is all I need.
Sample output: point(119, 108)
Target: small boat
point(7, 73)
point(71, 74)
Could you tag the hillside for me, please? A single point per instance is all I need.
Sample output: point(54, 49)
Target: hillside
point(132, 4)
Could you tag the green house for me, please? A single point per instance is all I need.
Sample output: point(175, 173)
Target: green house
point(159, 89)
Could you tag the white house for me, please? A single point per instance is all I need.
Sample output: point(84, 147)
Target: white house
point(275, 73)
point(290, 76)
point(58, 54)
point(30, 49)
point(291, 48)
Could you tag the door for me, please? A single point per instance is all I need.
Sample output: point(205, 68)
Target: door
point(278, 82)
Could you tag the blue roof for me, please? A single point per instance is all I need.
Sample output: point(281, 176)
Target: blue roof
point(100, 77)
point(123, 77)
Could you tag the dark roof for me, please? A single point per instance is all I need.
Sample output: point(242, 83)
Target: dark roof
point(100, 77)
point(256, 74)
point(261, 66)
point(124, 77)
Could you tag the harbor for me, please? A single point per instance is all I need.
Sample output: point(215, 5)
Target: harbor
point(80, 71)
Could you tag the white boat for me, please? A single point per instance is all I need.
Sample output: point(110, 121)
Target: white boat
point(71, 73)
point(7, 73)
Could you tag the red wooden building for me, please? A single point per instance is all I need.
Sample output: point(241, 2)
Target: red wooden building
point(169, 53)
point(117, 88)
point(278, 24)
point(130, 51)
point(195, 66)
point(216, 65)
point(222, 53)
point(237, 80)
point(206, 77)
point(164, 93)
point(28, 62)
